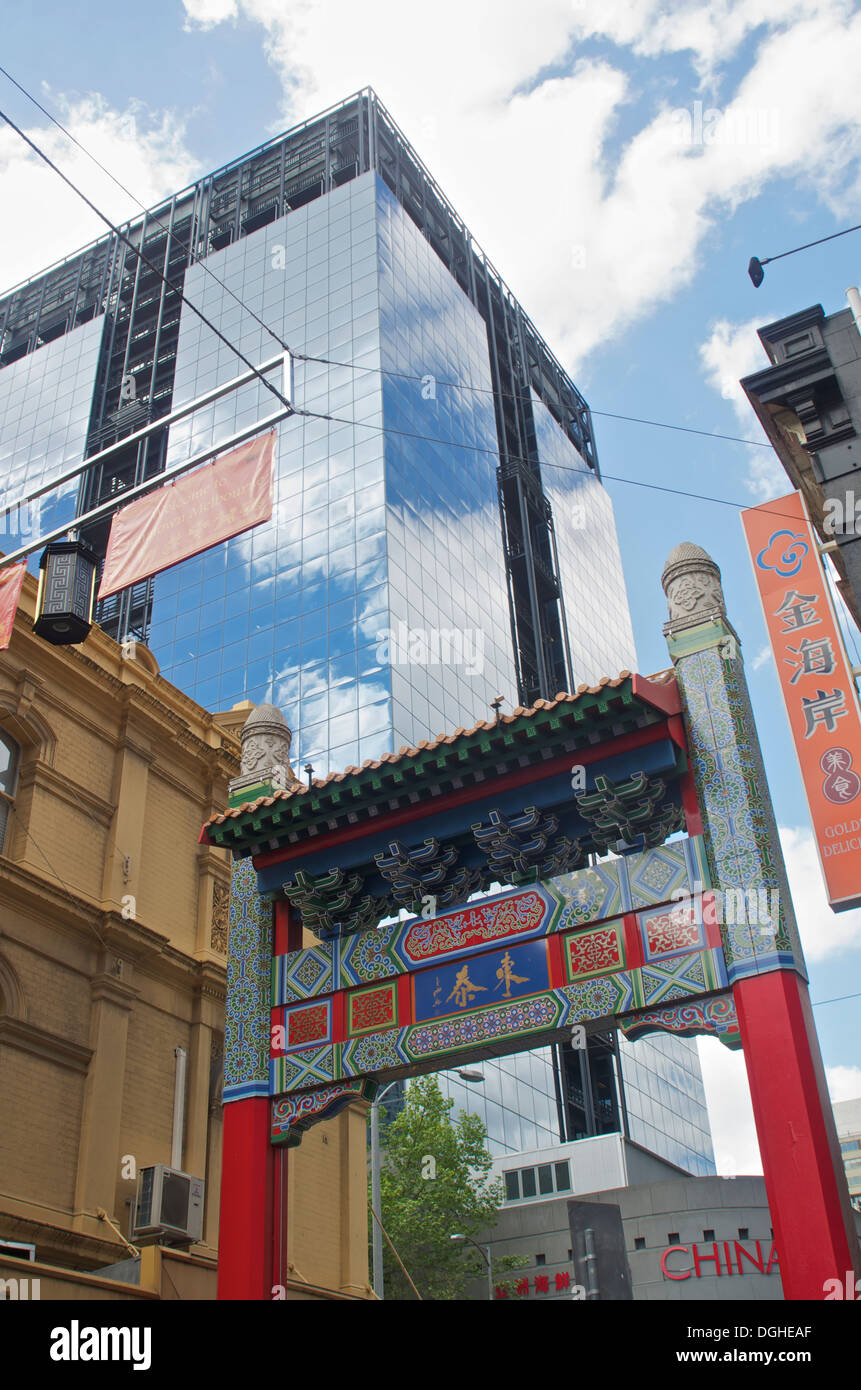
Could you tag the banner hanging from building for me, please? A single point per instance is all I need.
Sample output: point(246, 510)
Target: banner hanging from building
point(816, 682)
point(191, 514)
point(11, 580)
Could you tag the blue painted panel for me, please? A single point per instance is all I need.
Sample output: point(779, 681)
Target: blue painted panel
point(488, 979)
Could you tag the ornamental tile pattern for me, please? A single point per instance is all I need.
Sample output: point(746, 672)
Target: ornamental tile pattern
point(311, 1067)
point(247, 1017)
point(308, 1025)
point(742, 843)
point(541, 1012)
point(372, 1009)
point(291, 1116)
point(677, 976)
point(715, 1016)
point(603, 996)
point(302, 974)
point(672, 930)
point(596, 952)
point(373, 1052)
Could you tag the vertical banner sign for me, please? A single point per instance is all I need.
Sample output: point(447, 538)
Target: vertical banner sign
point(817, 684)
point(11, 580)
point(190, 514)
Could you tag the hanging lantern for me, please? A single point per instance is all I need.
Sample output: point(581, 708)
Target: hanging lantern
point(67, 585)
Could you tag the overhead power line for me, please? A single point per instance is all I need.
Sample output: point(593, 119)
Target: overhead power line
point(186, 246)
point(151, 265)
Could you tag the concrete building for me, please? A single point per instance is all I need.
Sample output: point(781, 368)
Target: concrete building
point(847, 1115)
point(684, 1237)
point(809, 404)
point(113, 939)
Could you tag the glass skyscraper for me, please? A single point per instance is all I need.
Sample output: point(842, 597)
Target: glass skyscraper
point(440, 534)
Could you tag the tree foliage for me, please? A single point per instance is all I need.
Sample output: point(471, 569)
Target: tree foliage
point(435, 1183)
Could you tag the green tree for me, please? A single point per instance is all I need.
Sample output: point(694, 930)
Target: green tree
point(435, 1182)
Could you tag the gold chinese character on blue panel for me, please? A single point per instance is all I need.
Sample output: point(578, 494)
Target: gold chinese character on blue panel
point(489, 978)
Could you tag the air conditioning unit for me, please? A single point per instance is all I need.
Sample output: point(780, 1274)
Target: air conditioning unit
point(169, 1203)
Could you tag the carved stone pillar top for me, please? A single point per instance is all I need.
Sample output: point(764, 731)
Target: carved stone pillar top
point(265, 764)
point(691, 582)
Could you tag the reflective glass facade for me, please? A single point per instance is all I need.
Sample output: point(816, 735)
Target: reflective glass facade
point(45, 401)
point(666, 1100)
point(369, 607)
point(590, 567)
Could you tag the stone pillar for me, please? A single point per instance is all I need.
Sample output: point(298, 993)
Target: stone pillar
point(804, 1177)
point(353, 1138)
point(112, 999)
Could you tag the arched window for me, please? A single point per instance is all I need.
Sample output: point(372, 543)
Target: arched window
point(9, 760)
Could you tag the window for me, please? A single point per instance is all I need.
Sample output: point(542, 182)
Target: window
point(563, 1177)
point(8, 776)
point(541, 1259)
point(639, 1242)
point(708, 1234)
point(744, 1233)
point(673, 1238)
point(537, 1182)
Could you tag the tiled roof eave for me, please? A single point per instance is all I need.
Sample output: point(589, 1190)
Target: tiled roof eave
point(467, 756)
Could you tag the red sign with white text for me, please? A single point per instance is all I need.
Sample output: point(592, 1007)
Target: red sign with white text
point(11, 580)
point(190, 514)
point(816, 682)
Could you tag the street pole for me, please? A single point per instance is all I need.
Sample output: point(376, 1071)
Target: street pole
point(485, 1250)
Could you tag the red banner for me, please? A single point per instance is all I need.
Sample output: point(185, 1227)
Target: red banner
point(190, 515)
point(11, 580)
point(816, 682)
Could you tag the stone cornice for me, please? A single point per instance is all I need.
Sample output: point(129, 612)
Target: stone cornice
point(113, 990)
point(39, 1042)
point(44, 777)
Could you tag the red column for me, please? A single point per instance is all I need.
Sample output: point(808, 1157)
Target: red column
point(245, 1245)
point(814, 1230)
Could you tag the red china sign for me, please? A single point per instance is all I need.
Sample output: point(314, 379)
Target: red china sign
point(717, 1258)
point(817, 685)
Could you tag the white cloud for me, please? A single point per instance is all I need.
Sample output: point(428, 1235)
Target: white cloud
point(730, 1111)
point(762, 658)
point(823, 932)
point(145, 150)
point(523, 154)
point(206, 13)
point(844, 1083)
point(732, 351)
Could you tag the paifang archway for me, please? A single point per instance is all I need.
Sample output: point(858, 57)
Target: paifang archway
point(690, 929)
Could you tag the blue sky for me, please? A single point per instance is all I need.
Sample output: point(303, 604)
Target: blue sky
point(558, 133)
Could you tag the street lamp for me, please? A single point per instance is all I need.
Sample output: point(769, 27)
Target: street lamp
point(485, 1250)
point(377, 1242)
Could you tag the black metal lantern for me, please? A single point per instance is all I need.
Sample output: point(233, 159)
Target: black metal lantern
point(67, 585)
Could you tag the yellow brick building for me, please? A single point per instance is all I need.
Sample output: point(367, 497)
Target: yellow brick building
point(113, 938)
